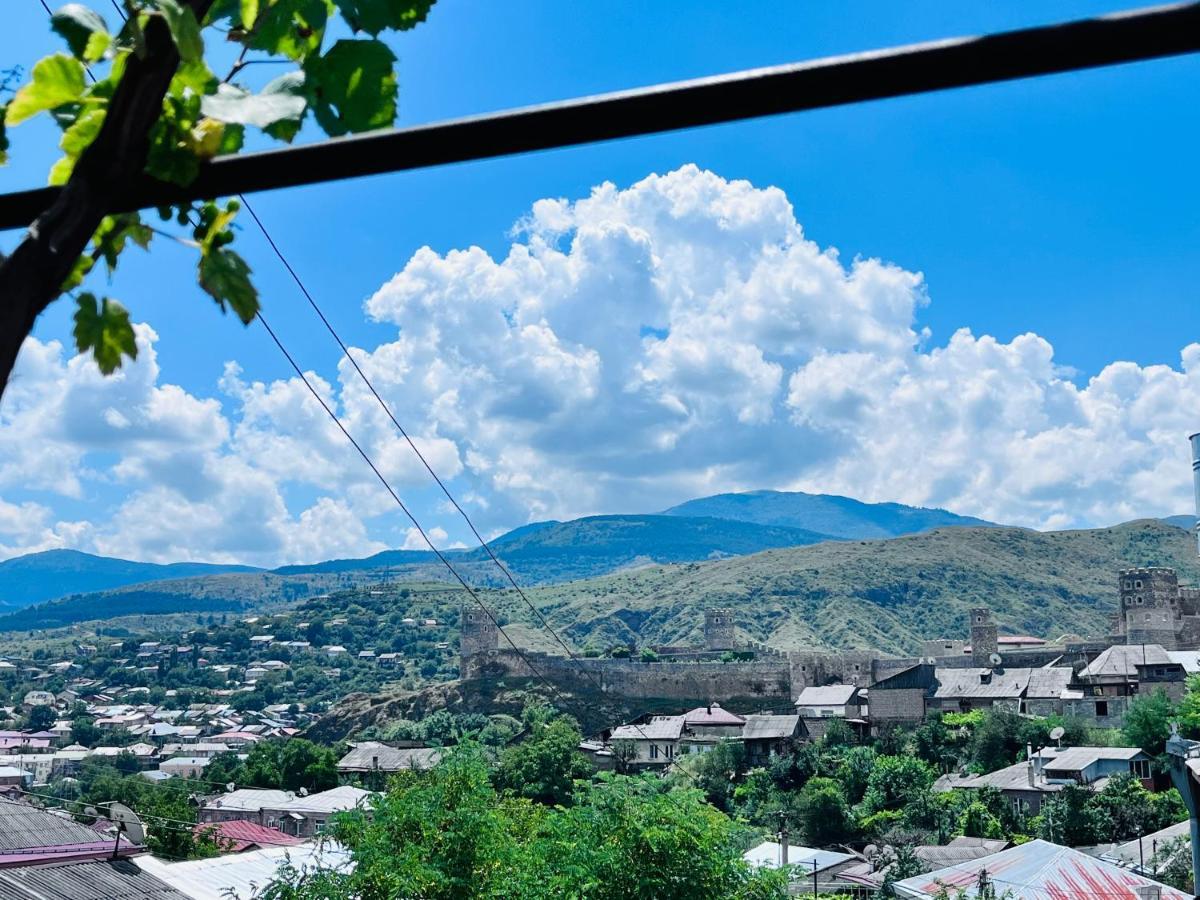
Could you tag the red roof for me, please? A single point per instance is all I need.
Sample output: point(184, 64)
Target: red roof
point(712, 715)
point(236, 836)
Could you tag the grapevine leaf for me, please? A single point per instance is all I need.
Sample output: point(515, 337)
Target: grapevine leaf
point(56, 81)
point(291, 28)
point(249, 13)
point(79, 271)
point(74, 141)
point(226, 277)
point(374, 16)
point(97, 45)
point(77, 24)
point(355, 86)
point(105, 329)
point(185, 29)
point(281, 103)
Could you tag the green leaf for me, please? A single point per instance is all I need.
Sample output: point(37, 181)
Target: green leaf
point(281, 102)
point(185, 29)
point(194, 76)
point(74, 141)
point(57, 80)
point(97, 45)
point(77, 24)
point(112, 233)
point(79, 271)
point(291, 28)
point(374, 16)
point(355, 86)
point(3, 136)
point(249, 13)
point(226, 277)
point(105, 329)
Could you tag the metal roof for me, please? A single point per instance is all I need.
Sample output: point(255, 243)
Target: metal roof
point(827, 695)
point(236, 835)
point(768, 854)
point(660, 728)
point(1131, 854)
point(1037, 870)
point(248, 800)
point(1010, 778)
point(1050, 682)
point(980, 683)
point(762, 727)
point(1076, 759)
point(333, 800)
point(1189, 659)
point(370, 756)
point(121, 879)
point(24, 827)
point(242, 875)
point(1123, 660)
point(712, 715)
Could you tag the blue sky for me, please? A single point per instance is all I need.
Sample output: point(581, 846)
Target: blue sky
point(1061, 207)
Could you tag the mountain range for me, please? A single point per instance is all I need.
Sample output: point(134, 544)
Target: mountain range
point(543, 552)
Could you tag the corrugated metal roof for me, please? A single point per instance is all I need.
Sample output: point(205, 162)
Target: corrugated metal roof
point(237, 835)
point(1189, 659)
point(1123, 660)
point(660, 728)
point(122, 879)
point(333, 800)
point(23, 827)
point(247, 800)
point(981, 684)
point(827, 695)
point(759, 727)
point(1132, 854)
point(1049, 683)
point(1037, 870)
point(1076, 759)
point(711, 715)
point(242, 875)
point(370, 756)
point(768, 853)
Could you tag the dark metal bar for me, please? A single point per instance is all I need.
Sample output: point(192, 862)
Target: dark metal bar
point(959, 62)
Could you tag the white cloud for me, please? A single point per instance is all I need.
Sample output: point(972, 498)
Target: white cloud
point(631, 349)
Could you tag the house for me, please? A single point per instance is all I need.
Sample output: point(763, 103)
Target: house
point(13, 780)
point(820, 866)
point(1108, 683)
point(185, 766)
point(1034, 871)
point(307, 817)
point(766, 735)
point(244, 804)
point(706, 726)
point(1027, 784)
point(816, 705)
point(906, 697)
point(652, 743)
point(240, 836)
point(372, 757)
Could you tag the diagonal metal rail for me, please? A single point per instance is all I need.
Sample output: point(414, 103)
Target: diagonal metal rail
point(1141, 34)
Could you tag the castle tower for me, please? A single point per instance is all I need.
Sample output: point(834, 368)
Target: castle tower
point(1151, 612)
point(985, 636)
point(718, 629)
point(477, 634)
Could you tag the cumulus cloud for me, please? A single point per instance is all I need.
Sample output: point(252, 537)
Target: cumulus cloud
point(630, 349)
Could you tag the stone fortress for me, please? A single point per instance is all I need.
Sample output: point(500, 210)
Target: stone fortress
point(1153, 609)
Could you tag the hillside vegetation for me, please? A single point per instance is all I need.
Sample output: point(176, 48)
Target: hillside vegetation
point(887, 594)
point(842, 517)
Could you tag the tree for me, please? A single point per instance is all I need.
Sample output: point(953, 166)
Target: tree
point(156, 109)
point(896, 781)
point(545, 766)
point(445, 834)
point(40, 718)
point(85, 732)
point(824, 814)
point(1071, 819)
point(1148, 722)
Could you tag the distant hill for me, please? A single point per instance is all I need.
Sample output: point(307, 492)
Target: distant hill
point(886, 594)
point(37, 577)
point(1187, 523)
point(841, 517)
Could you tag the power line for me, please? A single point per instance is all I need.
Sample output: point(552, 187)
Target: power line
point(1129, 36)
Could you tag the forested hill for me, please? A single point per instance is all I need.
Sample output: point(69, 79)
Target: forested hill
point(887, 594)
point(842, 517)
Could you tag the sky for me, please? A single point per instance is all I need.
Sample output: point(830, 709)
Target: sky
point(982, 299)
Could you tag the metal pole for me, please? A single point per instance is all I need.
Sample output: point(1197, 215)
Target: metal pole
point(814, 876)
point(1129, 36)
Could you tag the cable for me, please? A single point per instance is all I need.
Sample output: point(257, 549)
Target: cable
point(582, 667)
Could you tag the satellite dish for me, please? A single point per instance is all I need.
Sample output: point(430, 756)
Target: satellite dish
point(870, 850)
point(127, 822)
point(91, 811)
point(303, 792)
point(1056, 734)
point(995, 659)
point(231, 787)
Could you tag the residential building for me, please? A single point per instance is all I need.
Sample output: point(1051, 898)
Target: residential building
point(239, 836)
point(185, 766)
point(367, 758)
point(767, 735)
point(308, 817)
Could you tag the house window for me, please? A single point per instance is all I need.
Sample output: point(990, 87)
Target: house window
point(670, 751)
point(654, 751)
point(1138, 584)
point(1141, 768)
point(320, 826)
point(1101, 707)
point(1140, 600)
point(1128, 584)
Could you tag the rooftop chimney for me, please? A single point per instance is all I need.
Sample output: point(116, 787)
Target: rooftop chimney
point(1195, 440)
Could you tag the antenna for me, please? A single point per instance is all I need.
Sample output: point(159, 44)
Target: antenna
point(127, 823)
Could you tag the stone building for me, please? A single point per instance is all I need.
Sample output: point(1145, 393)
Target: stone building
point(478, 633)
point(1154, 609)
point(718, 629)
point(985, 636)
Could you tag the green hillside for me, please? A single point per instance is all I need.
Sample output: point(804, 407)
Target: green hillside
point(887, 594)
point(842, 517)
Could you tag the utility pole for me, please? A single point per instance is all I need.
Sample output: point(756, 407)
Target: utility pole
point(814, 862)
